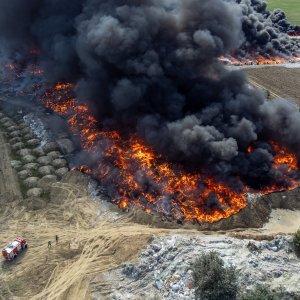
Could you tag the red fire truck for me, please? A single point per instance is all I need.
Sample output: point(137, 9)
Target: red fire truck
point(14, 248)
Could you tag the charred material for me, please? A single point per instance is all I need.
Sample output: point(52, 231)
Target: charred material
point(157, 100)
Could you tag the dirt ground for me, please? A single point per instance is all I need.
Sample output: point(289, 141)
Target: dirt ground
point(281, 81)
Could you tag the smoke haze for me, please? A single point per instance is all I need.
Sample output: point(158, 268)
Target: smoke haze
point(151, 67)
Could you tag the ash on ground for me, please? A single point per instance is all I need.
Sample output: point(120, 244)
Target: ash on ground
point(164, 269)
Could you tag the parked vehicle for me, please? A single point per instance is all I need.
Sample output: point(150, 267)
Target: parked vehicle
point(12, 250)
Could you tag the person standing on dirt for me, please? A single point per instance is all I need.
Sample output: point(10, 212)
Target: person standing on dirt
point(49, 244)
point(56, 239)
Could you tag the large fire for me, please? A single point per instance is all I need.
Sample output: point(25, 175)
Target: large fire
point(141, 177)
point(258, 60)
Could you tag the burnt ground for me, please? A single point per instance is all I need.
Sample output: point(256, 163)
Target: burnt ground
point(282, 81)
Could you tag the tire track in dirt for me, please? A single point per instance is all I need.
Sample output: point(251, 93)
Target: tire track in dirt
point(259, 86)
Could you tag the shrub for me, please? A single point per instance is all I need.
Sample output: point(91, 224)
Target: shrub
point(260, 293)
point(212, 280)
point(296, 241)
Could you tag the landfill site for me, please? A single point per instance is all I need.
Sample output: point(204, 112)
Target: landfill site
point(106, 253)
point(136, 138)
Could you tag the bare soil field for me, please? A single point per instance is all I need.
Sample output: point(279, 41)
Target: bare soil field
point(282, 81)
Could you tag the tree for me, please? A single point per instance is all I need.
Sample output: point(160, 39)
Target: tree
point(212, 280)
point(296, 241)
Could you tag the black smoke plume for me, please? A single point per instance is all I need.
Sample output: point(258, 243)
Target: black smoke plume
point(267, 32)
point(152, 67)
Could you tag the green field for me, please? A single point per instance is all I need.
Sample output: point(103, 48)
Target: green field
point(291, 8)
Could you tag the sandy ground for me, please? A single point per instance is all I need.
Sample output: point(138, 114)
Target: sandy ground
point(283, 221)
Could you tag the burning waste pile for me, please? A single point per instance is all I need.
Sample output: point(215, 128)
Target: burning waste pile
point(163, 125)
point(268, 37)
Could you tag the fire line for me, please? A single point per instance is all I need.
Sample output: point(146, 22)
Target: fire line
point(180, 194)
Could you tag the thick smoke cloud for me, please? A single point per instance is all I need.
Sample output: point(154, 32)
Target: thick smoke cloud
point(16, 17)
point(151, 67)
point(265, 31)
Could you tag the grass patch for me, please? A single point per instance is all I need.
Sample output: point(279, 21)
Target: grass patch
point(290, 7)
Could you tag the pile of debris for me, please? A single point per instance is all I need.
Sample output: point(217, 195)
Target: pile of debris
point(164, 269)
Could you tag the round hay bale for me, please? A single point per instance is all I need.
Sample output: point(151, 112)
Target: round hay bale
point(18, 146)
point(66, 146)
point(38, 151)
point(46, 182)
point(22, 125)
point(16, 164)
point(50, 146)
point(59, 163)
point(26, 130)
point(31, 166)
point(28, 158)
point(15, 133)
point(35, 192)
point(28, 137)
point(24, 152)
point(61, 172)
point(19, 117)
point(33, 142)
point(44, 160)
point(13, 128)
point(8, 124)
point(35, 203)
point(24, 174)
point(15, 140)
point(54, 154)
point(46, 170)
point(5, 119)
point(31, 182)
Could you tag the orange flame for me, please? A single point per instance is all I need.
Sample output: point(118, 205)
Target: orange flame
point(143, 178)
point(258, 60)
point(183, 195)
